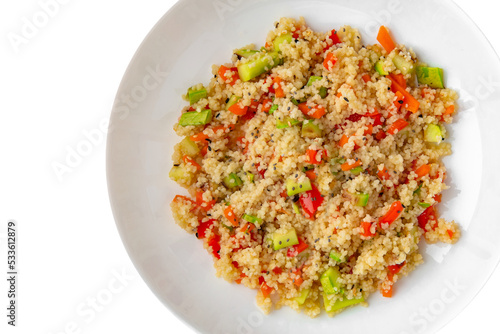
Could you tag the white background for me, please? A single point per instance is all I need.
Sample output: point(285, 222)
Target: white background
point(75, 276)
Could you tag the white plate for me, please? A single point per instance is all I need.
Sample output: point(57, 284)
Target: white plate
point(179, 52)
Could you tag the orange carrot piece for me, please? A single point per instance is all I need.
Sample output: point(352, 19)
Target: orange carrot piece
point(400, 99)
point(311, 174)
point(398, 125)
point(400, 79)
point(450, 233)
point(278, 90)
point(344, 140)
point(385, 39)
point(411, 103)
point(347, 166)
point(199, 137)
point(316, 111)
point(237, 109)
point(266, 289)
point(450, 110)
point(366, 78)
point(387, 292)
point(229, 214)
point(189, 161)
point(330, 61)
point(422, 171)
point(383, 174)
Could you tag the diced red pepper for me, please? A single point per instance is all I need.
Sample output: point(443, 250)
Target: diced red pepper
point(311, 174)
point(394, 212)
point(199, 137)
point(189, 161)
point(450, 233)
point(214, 242)
point(266, 105)
point(383, 174)
point(366, 226)
point(310, 201)
point(334, 40)
point(277, 270)
point(437, 198)
point(278, 89)
point(313, 156)
point(297, 249)
point(229, 214)
point(203, 227)
point(202, 204)
point(266, 289)
point(428, 215)
point(238, 109)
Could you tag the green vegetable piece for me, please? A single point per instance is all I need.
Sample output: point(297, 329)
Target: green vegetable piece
point(255, 67)
point(232, 180)
point(311, 130)
point(379, 67)
point(357, 170)
point(405, 66)
point(246, 53)
point(274, 107)
point(424, 205)
point(431, 76)
point(287, 122)
point(188, 147)
point(417, 191)
point(252, 219)
point(433, 134)
point(337, 256)
point(285, 38)
point(323, 92)
point(329, 281)
point(230, 228)
point(196, 93)
point(181, 176)
point(362, 199)
point(285, 240)
point(313, 79)
point(193, 118)
point(331, 306)
point(250, 177)
point(295, 208)
point(303, 296)
point(232, 101)
point(294, 188)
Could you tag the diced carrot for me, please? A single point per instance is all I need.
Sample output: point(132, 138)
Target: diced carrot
point(385, 39)
point(399, 100)
point(339, 94)
point(238, 280)
point(229, 214)
point(396, 268)
point(266, 105)
point(347, 166)
point(189, 161)
point(247, 228)
point(204, 149)
point(398, 125)
point(392, 214)
point(278, 90)
point(230, 77)
point(199, 137)
point(437, 198)
point(410, 102)
point(284, 193)
point(366, 78)
point(315, 111)
point(422, 171)
point(449, 110)
point(344, 140)
point(311, 174)
point(238, 109)
point(330, 61)
point(266, 289)
point(201, 203)
point(383, 174)
point(369, 130)
point(387, 292)
point(450, 233)
point(297, 249)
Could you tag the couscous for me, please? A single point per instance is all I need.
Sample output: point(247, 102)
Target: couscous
point(313, 165)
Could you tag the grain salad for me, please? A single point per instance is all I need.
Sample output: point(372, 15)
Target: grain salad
point(313, 166)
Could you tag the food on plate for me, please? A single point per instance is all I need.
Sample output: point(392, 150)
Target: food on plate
point(314, 166)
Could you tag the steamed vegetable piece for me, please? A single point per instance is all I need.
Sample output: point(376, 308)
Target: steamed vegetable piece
point(196, 93)
point(362, 199)
point(431, 76)
point(294, 188)
point(433, 134)
point(284, 240)
point(303, 296)
point(193, 118)
point(379, 67)
point(405, 66)
point(310, 130)
point(188, 147)
point(285, 38)
point(329, 281)
point(385, 39)
point(251, 218)
point(331, 306)
point(255, 67)
point(287, 122)
point(246, 53)
point(232, 101)
point(232, 181)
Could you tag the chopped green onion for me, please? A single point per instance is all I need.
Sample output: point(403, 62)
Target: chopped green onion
point(337, 256)
point(232, 180)
point(424, 205)
point(252, 219)
point(362, 199)
point(273, 109)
